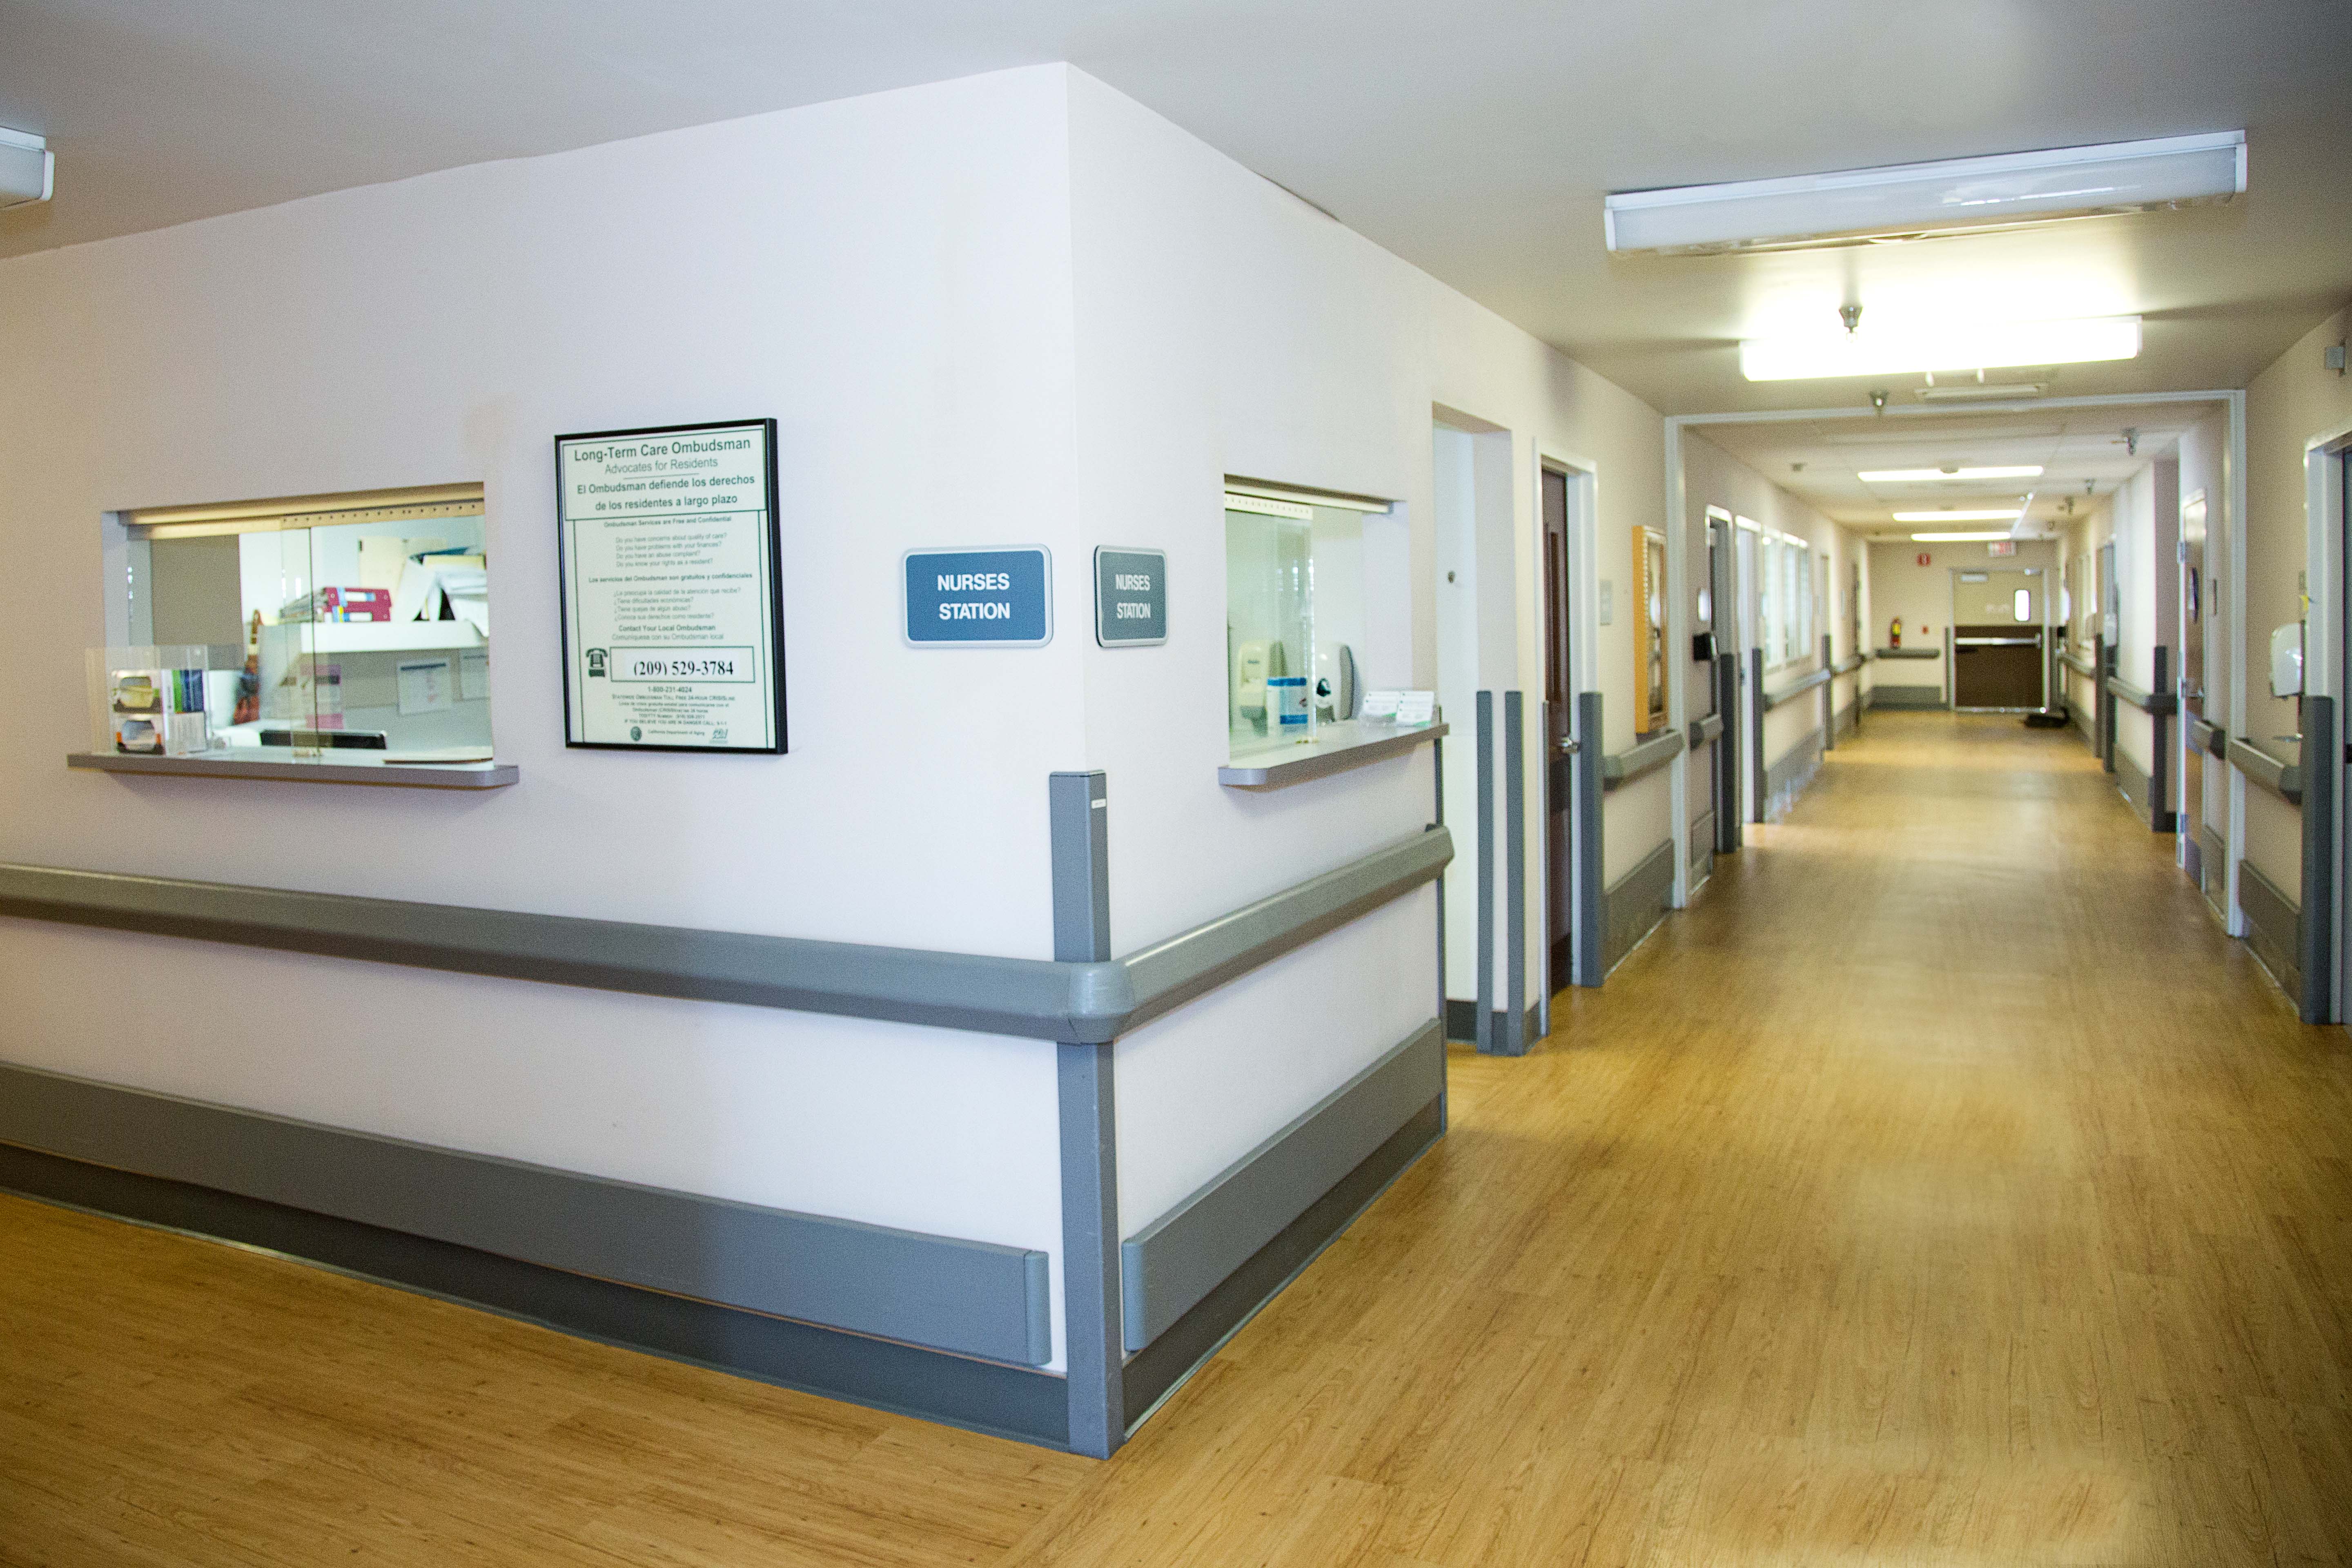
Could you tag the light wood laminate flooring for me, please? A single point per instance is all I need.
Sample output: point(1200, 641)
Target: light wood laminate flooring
point(1942, 1188)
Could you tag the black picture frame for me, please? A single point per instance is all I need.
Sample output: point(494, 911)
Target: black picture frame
point(565, 566)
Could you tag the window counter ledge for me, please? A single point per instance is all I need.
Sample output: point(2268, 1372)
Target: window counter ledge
point(1351, 743)
point(257, 763)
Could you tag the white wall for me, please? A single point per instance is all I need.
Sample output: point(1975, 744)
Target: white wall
point(1224, 327)
point(1016, 308)
point(2293, 400)
point(889, 276)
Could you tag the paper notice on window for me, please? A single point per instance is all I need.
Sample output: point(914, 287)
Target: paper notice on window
point(672, 599)
point(425, 687)
point(1402, 708)
point(473, 678)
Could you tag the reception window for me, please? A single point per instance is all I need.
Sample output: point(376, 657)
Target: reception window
point(331, 628)
point(1298, 609)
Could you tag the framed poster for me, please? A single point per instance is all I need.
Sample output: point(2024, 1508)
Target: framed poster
point(673, 600)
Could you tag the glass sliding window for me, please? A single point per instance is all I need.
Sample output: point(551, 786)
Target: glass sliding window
point(1296, 612)
point(343, 628)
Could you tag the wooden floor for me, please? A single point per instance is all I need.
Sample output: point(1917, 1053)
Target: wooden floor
point(1942, 1188)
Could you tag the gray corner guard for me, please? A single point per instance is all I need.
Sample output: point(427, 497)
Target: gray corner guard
point(1647, 757)
point(969, 1296)
point(1170, 1264)
point(1036, 998)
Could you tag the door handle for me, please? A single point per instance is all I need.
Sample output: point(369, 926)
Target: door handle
point(1568, 748)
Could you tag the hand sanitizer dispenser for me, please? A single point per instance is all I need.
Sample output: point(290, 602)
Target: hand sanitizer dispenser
point(2286, 660)
point(1249, 679)
point(1335, 682)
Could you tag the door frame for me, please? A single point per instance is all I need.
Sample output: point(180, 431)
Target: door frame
point(2327, 669)
point(1583, 476)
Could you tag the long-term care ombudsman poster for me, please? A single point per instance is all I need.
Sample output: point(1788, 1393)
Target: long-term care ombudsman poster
point(673, 606)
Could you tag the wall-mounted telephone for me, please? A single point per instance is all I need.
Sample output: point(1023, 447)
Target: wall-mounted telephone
point(1335, 682)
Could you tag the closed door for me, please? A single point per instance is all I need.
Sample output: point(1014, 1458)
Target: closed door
point(2192, 680)
point(1997, 642)
point(1560, 720)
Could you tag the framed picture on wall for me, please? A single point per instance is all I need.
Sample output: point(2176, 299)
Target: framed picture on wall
point(1649, 631)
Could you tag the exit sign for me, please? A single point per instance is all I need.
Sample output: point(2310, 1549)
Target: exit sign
point(2002, 546)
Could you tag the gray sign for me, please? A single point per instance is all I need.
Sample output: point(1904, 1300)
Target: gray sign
point(1130, 596)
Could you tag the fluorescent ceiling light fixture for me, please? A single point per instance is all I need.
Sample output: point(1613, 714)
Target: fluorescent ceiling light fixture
point(1925, 347)
point(1958, 538)
point(29, 170)
point(1306, 497)
point(1925, 476)
point(1966, 391)
point(1903, 201)
point(1981, 514)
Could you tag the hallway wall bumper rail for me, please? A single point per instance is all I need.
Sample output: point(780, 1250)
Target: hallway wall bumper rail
point(1645, 756)
point(2292, 935)
point(2276, 774)
point(2147, 789)
point(936, 1326)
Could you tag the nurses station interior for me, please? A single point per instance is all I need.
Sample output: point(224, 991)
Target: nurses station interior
point(996, 1050)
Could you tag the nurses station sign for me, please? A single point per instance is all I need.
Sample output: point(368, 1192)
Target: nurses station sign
point(997, 598)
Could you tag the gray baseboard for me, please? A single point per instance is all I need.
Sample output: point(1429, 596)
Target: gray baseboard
point(2274, 928)
point(1154, 1372)
point(984, 1396)
point(1171, 1264)
point(1884, 696)
point(1848, 720)
point(1702, 849)
point(1462, 1019)
point(969, 1298)
point(1786, 779)
point(1636, 902)
point(2213, 861)
point(2136, 785)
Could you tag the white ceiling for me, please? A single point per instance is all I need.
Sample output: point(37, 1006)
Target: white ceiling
point(2084, 453)
point(1475, 138)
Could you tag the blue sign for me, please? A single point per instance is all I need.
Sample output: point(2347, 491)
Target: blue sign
point(1130, 596)
point(980, 598)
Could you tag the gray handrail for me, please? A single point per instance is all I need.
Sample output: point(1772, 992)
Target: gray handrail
point(1647, 757)
point(1803, 683)
point(2276, 774)
point(1701, 731)
point(1848, 665)
point(2140, 697)
point(1907, 653)
point(2209, 738)
point(2079, 663)
point(1035, 998)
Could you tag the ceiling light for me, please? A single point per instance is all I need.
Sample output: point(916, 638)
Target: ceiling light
point(1926, 346)
point(1924, 475)
point(1980, 391)
point(1958, 538)
point(28, 168)
point(1985, 514)
point(1906, 200)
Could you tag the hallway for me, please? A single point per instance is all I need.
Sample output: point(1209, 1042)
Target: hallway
point(1942, 1188)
